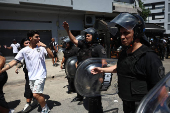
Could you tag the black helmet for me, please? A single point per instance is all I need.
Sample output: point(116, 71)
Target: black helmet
point(132, 21)
point(91, 31)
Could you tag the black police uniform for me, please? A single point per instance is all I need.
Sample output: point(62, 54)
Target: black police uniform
point(161, 49)
point(85, 52)
point(138, 72)
point(69, 52)
point(3, 80)
point(168, 48)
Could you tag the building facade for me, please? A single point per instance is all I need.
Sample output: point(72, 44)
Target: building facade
point(160, 13)
point(17, 17)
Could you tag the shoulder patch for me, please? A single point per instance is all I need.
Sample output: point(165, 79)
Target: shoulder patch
point(161, 71)
point(103, 51)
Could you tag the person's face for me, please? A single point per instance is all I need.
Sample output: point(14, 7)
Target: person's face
point(67, 45)
point(126, 36)
point(35, 38)
point(26, 43)
point(14, 42)
point(52, 39)
point(88, 37)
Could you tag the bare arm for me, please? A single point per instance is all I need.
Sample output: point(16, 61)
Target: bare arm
point(2, 61)
point(72, 38)
point(56, 49)
point(50, 54)
point(111, 69)
point(7, 47)
point(9, 65)
point(62, 62)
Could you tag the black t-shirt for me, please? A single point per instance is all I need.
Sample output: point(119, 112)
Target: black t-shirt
point(52, 44)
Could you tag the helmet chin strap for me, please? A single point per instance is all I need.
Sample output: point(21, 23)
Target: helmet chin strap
point(130, 45)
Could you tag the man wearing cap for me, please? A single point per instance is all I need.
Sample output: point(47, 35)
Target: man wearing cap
point(15, 46)
point(138, 68)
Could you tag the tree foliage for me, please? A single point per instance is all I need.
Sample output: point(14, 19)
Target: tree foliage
point(145, 12)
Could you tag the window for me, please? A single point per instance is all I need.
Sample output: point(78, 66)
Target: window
point(169, 7)
point(168, 26)
point(168, 17)
point(160, 6)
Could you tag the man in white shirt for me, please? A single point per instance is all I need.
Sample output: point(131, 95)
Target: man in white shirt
point(15, 46)
point(34, 56)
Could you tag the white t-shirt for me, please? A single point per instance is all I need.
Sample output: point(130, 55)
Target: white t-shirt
point(35, 61)
point(15, 47)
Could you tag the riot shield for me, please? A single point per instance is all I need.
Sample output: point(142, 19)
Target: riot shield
point(158, 98)
point(70, 67)
point(89, 85)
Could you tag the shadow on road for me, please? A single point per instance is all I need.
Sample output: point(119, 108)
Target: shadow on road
point(50, 104)
point(13, 104)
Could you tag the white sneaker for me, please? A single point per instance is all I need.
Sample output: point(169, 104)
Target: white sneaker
point(45, 110)
point(11, 111)
point(26, 108)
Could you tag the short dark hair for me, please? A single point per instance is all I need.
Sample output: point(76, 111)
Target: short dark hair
point(22, 42)
point(32, 33)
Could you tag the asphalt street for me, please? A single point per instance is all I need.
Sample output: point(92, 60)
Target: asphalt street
point(57, 98)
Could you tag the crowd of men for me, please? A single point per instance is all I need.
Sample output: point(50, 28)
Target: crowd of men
point(138, 68)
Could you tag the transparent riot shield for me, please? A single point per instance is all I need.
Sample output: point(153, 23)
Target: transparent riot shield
point(70, 67)
point(89, 85)
point(158, 99)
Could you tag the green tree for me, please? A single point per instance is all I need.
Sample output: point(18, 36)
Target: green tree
point(145, 12)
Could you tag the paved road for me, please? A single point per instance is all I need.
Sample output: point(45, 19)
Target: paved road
point(55, 93)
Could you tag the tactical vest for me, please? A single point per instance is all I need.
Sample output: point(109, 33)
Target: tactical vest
point(85, 53)
point(69, 53)
point(131, 85)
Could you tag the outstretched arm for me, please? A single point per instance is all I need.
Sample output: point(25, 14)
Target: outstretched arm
point(72, 38)
point(97, 70)
point(7, 47)
point(8, 66)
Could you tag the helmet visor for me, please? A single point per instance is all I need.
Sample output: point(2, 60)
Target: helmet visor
point(80, 37)
point(125, 20)
point(67, 39)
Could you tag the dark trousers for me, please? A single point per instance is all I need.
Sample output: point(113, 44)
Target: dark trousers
point(79, 96)
point(3, 79)
point(129, 106)
point(28, 93)
point(71, 84)
point(15, 54)
point(95, 105)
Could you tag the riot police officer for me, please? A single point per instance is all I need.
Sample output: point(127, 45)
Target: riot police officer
point(70, 51)
point(138, 67)
point(88, 48)
point(168, 48)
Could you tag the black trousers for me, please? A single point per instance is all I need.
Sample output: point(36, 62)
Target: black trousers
point(95, 105)
point(129, 106)
point(28, 93)
point(3, 80)
point(71, 84)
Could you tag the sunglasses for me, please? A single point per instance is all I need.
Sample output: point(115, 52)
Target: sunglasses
point(27, 43)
